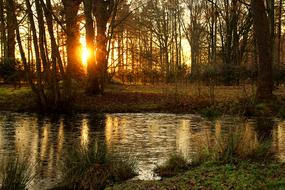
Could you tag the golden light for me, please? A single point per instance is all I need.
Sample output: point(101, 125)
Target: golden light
point(85, 55)
point(84, 52)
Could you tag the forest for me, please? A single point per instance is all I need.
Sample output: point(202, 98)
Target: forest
point(82, 81)
point(59, 47)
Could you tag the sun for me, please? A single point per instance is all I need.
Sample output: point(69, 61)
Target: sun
point(84, 52)
point(85, 55)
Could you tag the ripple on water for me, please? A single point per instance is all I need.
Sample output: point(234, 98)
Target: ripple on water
point(148, 138)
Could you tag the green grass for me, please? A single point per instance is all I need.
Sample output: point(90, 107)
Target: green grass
point(16, 173)
point(212, 175)
point(154, 98)
point(230, 162)
point(94, 168)
point(6, 91)
point(210, 112)
point(175, 164)
point(16, 99)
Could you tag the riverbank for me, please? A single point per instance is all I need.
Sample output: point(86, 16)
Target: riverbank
point(211, 175)
point(237, 100)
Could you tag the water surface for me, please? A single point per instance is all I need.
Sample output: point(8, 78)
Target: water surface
point(149, 138)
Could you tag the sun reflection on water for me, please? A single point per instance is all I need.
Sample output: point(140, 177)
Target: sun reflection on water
point(147, 138)
point(84, 138)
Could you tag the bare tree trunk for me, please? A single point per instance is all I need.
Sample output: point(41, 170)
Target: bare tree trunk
point(11, 40)
point(262, 35)
point(42, 36)
point(54, 45)
point(2, 30)
point(55, 55)
point(102, 11)
point(101, 53)
point(279, 48)
point(74, 66)
point(92, 81)
point(40, 90)
point(23, 56)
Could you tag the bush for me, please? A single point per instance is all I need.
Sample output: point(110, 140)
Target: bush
point(94, 168)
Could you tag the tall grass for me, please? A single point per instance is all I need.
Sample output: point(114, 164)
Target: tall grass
point(230, 148)
point(234, 146)
point(16, 172)
point(94, 168)
point(175, 164)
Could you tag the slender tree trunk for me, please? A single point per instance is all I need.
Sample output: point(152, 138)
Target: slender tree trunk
point(92, 82)
point(55, 48)
point(2, 30)
point(101, 53)
point(262, 35)
point(23, 57)
point(11, 40)
point(74, 68)
point(55, 54)
point(42, 34)
point(279, 48)
point(40, 90)
point(73, 46)
point(102, 11)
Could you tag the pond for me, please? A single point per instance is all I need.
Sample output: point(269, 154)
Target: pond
point(148, 138)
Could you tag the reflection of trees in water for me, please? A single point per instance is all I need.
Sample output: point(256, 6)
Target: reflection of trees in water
point(59, 134)
point(245, 135)
point(272, 132)
point(279, 140)
point(8, 132)
point(149, 138)
point(264, 129)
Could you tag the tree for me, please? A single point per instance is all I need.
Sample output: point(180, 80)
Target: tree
point(102, 11)
point(2, 30)
point(263, 39)
point(73, 46)
point(42, 99)
point(10, 29)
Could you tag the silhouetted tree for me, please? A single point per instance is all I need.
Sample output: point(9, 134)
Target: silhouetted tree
point(262, 36)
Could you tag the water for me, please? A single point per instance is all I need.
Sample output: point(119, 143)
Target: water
point(149, 138)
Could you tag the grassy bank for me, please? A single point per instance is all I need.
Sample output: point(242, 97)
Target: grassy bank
point(213, 175)
point(227, 163)
point(16, 99)
point(158, 98)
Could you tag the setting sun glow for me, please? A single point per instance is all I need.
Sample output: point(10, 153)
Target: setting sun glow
point(85, 54)
point(84, 51)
